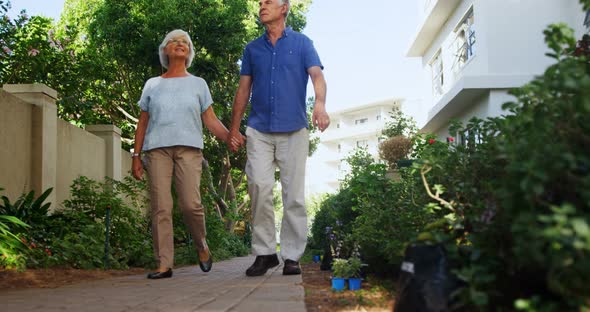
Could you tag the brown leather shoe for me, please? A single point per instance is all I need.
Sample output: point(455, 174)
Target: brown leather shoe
point(262, 264)
point(291, 268)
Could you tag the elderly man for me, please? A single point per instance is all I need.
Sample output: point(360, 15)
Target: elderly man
point(275, 70)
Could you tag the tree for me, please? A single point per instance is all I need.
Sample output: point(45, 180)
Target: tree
point(101, 52)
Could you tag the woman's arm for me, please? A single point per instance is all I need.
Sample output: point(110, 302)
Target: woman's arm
point(214, 124)
point(136, 165)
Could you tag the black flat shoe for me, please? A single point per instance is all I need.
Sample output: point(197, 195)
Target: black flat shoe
point(262, 264)
point(291, 268)
point(206, 266)
point(158, 275)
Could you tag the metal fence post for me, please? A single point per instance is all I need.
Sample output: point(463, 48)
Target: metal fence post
point(106, 235)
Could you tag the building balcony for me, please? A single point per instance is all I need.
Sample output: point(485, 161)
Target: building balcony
point(437, 14)
point(464, 92)
point(351, 132)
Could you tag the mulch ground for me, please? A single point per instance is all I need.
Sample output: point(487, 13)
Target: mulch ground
point(319, 296)
point(56, 277)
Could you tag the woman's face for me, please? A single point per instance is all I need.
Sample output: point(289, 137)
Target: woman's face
point(178, 47)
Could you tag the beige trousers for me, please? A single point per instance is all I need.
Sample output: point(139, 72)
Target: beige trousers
point(185, 165)
point(288, 151)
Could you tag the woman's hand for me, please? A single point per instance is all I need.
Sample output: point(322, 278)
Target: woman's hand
point(235, 141)
point(137, 168)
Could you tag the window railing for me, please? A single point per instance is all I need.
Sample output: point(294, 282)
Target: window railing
point(438, 78)
point(465, 40)
point(465, 51)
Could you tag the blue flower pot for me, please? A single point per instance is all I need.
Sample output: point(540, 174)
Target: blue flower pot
point(338, 284)
point(316, 258)
point(354, 283)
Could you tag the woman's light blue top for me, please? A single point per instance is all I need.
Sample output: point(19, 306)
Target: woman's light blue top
point(175, 106)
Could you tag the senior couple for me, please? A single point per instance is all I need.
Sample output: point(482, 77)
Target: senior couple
point(274, 73)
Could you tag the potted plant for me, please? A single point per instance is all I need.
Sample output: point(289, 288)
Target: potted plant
point(354, 281)
point(400, 132)
point(346, 269)
point(340, 272)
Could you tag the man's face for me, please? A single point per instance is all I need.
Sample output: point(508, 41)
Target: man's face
point(271, 10)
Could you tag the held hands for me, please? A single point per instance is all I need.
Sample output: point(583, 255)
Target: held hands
point(235, 140)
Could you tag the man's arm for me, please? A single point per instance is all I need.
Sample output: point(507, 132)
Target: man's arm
point(319, 117)
point(236, 139)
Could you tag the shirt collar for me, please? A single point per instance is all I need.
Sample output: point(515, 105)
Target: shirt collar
point(285, 34)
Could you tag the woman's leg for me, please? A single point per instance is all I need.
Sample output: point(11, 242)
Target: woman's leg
point(187, 176)
point(159, 169)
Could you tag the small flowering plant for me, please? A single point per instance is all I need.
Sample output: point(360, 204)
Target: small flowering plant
point(347, 268)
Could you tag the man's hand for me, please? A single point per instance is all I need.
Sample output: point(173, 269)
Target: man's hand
point(320, 118)
point(235, 140)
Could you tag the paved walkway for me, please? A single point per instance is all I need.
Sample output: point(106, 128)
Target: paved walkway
point(225, 288)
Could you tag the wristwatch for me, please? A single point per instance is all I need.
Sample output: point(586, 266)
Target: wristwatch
point(135, 155)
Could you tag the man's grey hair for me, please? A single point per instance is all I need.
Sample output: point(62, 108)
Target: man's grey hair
point(288, 3)
point(175, 33)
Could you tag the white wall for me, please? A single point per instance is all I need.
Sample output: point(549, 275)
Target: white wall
point(517, 44)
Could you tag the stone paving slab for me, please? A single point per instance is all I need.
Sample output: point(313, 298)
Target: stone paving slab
point(225, 288)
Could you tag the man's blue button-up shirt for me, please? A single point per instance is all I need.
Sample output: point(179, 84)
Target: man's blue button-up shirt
point(279, 81)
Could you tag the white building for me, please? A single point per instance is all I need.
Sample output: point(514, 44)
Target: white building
point(360, 126)
point(473, 51)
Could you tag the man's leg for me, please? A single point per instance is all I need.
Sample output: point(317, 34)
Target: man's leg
point(292, 150)
point(260, 170)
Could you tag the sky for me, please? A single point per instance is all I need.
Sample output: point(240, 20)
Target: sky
point(362, 45)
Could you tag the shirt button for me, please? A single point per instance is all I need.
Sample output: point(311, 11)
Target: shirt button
point(274, 53)
point(272, 82)
point(273, 67)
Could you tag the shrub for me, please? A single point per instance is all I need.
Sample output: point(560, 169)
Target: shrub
point(11, 247)
point(394, 149)
point(515, 198)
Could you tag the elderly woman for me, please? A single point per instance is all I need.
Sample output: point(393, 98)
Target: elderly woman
point(174, 107)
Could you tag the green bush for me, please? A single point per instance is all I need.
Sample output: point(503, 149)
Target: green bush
point(516, 199)
point(376, 214)
point(11, 247)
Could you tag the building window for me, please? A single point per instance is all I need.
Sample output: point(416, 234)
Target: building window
point(464, 41)
point(438, 79)
point(361, 121)
point(378, 117)
point(339, 148)
point(470, 138)
point(362, 143)
point(338, 125)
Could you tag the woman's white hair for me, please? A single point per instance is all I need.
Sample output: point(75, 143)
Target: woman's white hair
point(175, 33)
